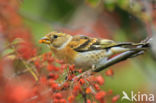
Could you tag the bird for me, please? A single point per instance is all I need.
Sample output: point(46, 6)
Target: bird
point(84, 51)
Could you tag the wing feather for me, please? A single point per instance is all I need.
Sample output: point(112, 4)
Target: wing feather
point(81, 43)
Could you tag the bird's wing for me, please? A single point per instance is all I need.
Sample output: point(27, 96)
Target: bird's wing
point(81, 43)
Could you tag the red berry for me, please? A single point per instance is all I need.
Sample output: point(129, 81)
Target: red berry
point(81, 81)
point(100, 80)
point(88, 101)
point(115, 98)
point(109, 72)
point(97, 87)
point(58, 96)
point(100, 95)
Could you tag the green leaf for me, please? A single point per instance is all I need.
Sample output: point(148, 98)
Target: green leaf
point(8, 51)
point(109, 4)
point(93, 3)
point(17, 40)
point(11, 57)
point(124, 3)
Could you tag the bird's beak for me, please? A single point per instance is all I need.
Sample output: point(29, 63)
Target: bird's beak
point(45, 40)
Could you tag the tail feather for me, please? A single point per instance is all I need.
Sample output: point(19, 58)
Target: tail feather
point(143, 44)
point(129, 46)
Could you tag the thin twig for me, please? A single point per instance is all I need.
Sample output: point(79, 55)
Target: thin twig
point(84, 95)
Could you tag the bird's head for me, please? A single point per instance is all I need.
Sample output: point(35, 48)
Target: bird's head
point(55, 39)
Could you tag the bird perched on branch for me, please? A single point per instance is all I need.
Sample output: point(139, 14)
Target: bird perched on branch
point(86, 52)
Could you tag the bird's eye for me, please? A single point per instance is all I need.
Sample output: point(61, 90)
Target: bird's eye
point(55, 36)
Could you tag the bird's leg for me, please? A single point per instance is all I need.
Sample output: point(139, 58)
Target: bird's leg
point(93, 67)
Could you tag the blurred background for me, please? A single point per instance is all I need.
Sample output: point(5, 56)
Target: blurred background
point(119, 20)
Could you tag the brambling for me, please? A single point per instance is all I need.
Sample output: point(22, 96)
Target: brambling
point(83, 51)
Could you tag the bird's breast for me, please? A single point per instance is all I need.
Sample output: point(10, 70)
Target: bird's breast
point(65, 54)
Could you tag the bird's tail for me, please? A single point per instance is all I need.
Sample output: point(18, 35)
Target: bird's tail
point(130, 46)
point(146, 43)
point(141, 47)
